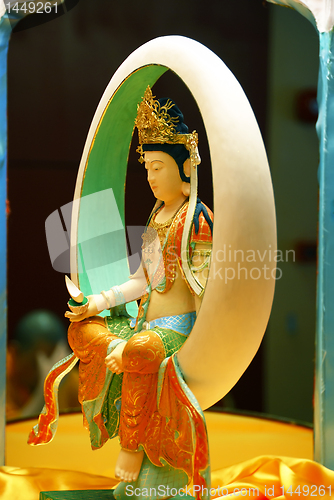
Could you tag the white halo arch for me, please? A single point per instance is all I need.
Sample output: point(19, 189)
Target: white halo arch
point(239, 292)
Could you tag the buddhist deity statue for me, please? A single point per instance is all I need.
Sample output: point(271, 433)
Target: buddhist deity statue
point(130, 384)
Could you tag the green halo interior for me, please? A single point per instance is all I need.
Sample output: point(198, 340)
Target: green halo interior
point(101, 239)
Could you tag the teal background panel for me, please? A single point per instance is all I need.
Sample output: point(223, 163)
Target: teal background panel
point(6, 25)
point(5, 31)
point(324, 384)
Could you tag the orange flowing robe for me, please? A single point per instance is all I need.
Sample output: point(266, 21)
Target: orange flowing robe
point(148, 406)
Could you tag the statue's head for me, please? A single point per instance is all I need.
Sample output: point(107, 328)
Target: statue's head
point(161, 127)
point(177, 151)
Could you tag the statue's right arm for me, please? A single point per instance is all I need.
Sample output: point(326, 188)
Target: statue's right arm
point(131, 290)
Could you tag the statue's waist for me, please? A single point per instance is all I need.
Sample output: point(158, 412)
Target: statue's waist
point(181, 323)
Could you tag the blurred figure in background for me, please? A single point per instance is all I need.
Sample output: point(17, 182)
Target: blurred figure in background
point(40, 340)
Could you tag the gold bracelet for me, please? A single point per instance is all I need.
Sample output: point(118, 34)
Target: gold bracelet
point(118, 294)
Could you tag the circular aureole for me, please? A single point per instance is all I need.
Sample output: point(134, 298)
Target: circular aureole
point(239, 292)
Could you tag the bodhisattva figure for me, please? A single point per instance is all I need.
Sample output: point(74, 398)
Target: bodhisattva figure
point(129, 382)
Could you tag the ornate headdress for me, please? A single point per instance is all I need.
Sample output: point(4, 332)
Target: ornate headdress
point(156, 126)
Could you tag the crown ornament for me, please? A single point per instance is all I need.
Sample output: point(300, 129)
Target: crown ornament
point(156, 126)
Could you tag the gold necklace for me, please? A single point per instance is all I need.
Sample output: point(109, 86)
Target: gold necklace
point(162, 227)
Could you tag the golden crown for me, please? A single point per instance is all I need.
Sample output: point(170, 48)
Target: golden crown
point(156, 126)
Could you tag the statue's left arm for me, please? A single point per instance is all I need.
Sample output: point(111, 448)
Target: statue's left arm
point(201, 257)
point(201, 247)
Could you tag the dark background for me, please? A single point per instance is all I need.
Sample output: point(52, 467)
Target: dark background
point(58, 68)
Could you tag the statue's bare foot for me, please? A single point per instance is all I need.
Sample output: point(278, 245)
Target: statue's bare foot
point(114, 359)
point(128, 465)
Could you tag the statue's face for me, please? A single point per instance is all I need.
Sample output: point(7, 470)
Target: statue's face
point(163, 176)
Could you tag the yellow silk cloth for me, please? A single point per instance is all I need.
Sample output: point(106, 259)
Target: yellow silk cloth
point(26, 484)
point(246, 453)
point(261, 477)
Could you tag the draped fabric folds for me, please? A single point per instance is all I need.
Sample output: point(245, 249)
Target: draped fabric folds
point(275, 477)
point(264, 477)
point(45, 430)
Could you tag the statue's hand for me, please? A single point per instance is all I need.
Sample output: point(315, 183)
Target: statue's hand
point(83, 312)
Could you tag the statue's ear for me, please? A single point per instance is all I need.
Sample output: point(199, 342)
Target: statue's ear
point(186, 167)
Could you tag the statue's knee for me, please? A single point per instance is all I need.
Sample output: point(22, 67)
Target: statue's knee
point(143, 353)
point(82, 333)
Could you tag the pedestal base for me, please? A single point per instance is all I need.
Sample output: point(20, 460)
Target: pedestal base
point(90, 495)
point(77, 495)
